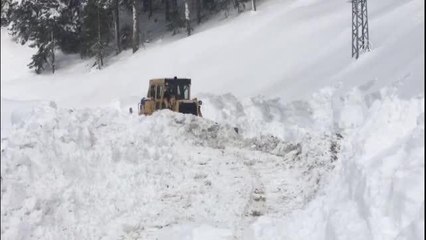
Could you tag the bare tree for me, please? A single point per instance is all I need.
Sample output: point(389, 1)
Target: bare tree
point(167, 9)
point(187, 18)
point(99, 47)
point(198, 3)
point(135, 35)
point(150, 8)
point(115, 16)
point(52, 39)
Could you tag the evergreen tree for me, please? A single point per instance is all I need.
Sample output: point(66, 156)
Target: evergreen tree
point(94, 28)
point(114, 7)
point(147, 6)
point(239, 5)
point(175, 23)
point(69, 39)
point(176, 19)
point(95, 32)
point(6, 10)
point(40, 22)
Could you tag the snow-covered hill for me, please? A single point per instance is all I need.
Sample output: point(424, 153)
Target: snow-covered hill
point(328, 147)
point(287, 49)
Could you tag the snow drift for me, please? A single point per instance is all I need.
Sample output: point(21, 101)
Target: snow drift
point(378, 189)
point(102, 173)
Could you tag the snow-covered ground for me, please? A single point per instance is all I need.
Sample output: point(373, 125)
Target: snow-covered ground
point(328, 147)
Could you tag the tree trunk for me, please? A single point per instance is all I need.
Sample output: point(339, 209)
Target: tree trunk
point(253, 5)
point(175, 5)
point(150, 8)
point(99, 56)
point(167, 10)
point(52, 51)
point(115, 15)
point(198, 11)
point(187, 18)
point(135, 35)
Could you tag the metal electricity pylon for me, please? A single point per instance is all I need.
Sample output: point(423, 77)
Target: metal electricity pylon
point(360, 38)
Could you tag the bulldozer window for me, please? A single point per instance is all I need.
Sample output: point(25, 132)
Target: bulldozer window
point(182, 92)
point(152, 91)
point(186, 92)
point(159, 92)
point(178, 93)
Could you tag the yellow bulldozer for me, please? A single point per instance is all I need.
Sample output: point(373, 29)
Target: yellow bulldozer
point(170, 93)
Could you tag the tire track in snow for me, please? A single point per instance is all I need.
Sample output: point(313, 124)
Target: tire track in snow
point(255, 205)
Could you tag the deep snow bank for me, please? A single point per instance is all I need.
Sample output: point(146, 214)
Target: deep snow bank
point(13, 112)
point(102, 173)
point(378, 190)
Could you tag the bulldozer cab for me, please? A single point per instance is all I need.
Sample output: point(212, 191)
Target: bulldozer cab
point(180, 88)
point(170, 93)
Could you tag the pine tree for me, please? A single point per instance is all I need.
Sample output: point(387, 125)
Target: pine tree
point(69, 39)
point(39, 21)
point(95, 32)
point(39, 59)
point(114, 6)
point(147, 6)
point(239, 5)
point(94, 27)
point(6, 9)
point(176, 21)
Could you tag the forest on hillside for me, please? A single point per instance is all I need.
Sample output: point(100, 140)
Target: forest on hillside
point(101, 28)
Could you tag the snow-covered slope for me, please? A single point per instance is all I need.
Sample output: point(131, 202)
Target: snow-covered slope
point(287, 49)
point(328, 147)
